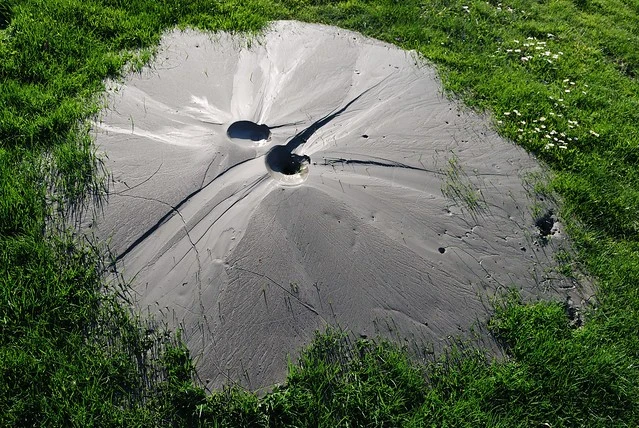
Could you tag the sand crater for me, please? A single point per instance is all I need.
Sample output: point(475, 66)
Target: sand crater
point(246, 130)
point(286, 167)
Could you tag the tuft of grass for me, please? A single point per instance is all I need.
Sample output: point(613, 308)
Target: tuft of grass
point(458, 187)
point(338, 382)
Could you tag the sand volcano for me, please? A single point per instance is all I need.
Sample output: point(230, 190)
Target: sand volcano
point(264, 190)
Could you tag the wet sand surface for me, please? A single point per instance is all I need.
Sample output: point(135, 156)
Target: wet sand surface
point(266, 188)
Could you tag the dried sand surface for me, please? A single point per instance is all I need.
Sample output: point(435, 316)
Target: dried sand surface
point(401, 215)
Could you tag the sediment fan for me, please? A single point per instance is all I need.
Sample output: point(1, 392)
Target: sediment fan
point(265, 188)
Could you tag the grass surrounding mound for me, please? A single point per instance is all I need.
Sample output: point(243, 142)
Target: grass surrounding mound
point(560, 78)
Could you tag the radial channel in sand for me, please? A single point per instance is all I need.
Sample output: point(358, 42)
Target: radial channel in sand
point(412, 214)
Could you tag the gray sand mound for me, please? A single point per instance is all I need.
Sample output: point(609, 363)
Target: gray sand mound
point(264, 189)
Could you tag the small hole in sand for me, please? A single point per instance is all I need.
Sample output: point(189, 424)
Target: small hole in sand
point(441, 250)
point(286, 167)
point(248, 131)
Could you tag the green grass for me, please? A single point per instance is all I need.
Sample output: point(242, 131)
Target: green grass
point(71, 354)
point(458, 187)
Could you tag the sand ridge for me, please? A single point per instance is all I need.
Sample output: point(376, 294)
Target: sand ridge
point(403, 215)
